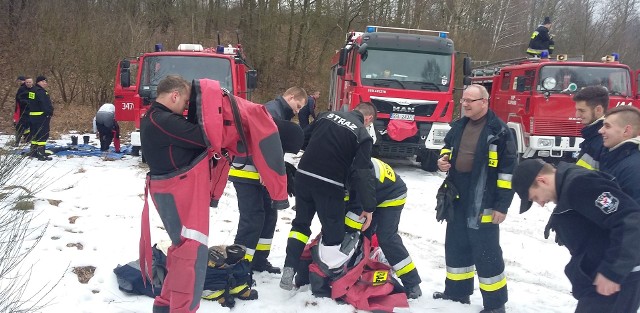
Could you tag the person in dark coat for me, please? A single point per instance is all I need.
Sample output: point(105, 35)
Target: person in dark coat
point(598, 223)
point(591, 105)
point(338, 150)
point(107, 128)
point(285, 107)
point(40, 113)
point(480, 154)
point(21, 113)
point(541, 40)
point(308, 110)
point(620, 132)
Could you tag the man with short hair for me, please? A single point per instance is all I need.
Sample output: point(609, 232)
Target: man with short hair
point(338, 152)
point(288, 105)
point(21, 112)
point(479, 153)
point(308, 110)
point(40, 113)
point(541, 40)
point(620, 131)
point(591, 105)
point(597, 222)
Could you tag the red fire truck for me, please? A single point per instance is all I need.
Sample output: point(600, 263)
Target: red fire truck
point(408, 74)
point(534, 97)
point(137, 78)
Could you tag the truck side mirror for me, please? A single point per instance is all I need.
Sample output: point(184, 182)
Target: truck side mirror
point(252, 79)
point(363, 51)
point(466, 81)
point(466, 66)
point(125, 74)
point(343, 57)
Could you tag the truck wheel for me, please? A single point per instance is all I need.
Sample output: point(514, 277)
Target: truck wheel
point(428, 160)
point(135, 150)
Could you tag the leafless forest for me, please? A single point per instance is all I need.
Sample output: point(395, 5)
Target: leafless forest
point(76, 43)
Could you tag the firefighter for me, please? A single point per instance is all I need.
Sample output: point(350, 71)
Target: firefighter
point(598, 223)
point(308, 110)
point(541, 40)
point(479, 154)
point(107, 128)
point(174, 149)
point(21, 113)
point(591, 105)
point(258, 219)
point(620, 131)
point(40, 113)
point(391, 195)
point(337, 143)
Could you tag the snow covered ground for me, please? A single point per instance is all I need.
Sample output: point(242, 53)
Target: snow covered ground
point(99, 207)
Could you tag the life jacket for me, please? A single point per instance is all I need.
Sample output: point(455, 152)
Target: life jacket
point(367, 284)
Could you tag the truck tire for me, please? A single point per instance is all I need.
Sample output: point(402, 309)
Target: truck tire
point(428, 160)
point(135, 150)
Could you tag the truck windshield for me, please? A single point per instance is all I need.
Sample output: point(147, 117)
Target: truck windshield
point(156, 68)
point(406, 70)
point(615, 79)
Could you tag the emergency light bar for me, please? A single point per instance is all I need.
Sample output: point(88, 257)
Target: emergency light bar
point(190, 47)
point(373, 29)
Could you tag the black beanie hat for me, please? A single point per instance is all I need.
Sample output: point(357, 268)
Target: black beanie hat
point(291, 136)
point(40, 78)
point(547, 20)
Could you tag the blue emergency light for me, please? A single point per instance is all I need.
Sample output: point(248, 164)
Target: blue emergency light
point(220, 49)
point(615, 56)
point(544, 54)
point(442, 35)
point(158, 47)
point(371, 29)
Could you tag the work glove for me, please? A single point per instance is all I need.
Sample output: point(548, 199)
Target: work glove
point(291, 174)
point(547, 231)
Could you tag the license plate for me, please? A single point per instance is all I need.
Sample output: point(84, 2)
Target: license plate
point(402, 116)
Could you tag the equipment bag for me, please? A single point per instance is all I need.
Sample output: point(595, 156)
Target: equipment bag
point(447, 194)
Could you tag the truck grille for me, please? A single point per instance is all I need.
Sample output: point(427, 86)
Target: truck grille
point(549, 126)
point(398, 105)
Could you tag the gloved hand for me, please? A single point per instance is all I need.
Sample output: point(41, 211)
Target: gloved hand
point(291, 174)
point(548, 229)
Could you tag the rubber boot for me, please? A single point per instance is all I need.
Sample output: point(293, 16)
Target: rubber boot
point(33, 152)
point(42, 155)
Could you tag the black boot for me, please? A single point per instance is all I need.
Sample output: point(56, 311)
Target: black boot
point(444, 296)
point(264, 266)
point(42, 155)
point(18, 136)
point(413, 292)
point(33, 152)
point(497, 310)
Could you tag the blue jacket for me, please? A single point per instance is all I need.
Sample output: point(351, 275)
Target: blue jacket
point(279, 109)
point(591, 149)
point(622, 163)
point(493, 164)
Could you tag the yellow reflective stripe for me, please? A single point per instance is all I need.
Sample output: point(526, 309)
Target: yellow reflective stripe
point(487, 219)
point(395, 202)
point(534, 34)
point(299, 236)
point(346, 198)
point(462, 276)
point(35, 113)
point(445, 151)
point(238, 289)
point(486, 286)
point(39, 143)
point(244, 174)
point(248, 257)
point(214, 295)
point(460, 273)
point(264, 244)
point(584, 164)
point(504, 184)
point(404, 266)
point(351, 223)
point(493, 154)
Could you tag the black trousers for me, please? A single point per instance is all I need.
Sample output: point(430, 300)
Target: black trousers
point(106, 135)
point(468, 250)
point(257, 220)
point(385, 225)
point(314, 195)
point(626, 300)
point(39, 129)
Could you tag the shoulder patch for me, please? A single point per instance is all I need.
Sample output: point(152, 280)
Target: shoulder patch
point(607, 203)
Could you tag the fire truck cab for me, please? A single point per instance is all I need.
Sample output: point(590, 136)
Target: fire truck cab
point(535, 98)
point(408, 74)
point(137, 78)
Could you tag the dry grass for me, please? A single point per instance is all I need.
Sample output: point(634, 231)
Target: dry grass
point(85, 273)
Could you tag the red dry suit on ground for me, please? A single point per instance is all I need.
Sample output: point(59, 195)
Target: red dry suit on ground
point(182, 197)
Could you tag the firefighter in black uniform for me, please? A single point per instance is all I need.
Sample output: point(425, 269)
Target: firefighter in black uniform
point(480, 154)
point(600, 226)
point(258, 219)
point(338, 143)
point(40, 113)
point(21, 114)
point(391, 195)
point(591, 105)
point(541, 39)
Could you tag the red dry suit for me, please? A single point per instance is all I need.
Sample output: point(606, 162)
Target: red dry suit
point(182, 197)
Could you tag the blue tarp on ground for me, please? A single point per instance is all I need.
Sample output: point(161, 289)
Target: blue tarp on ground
point(84, 150)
